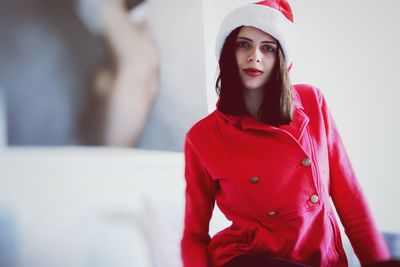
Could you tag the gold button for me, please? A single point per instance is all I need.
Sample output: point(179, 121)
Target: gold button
point(271, 213)
point(306, 162)
point(314, 199)
point(254, 180)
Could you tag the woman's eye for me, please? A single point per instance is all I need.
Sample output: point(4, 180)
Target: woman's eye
point(242, 44)
point(268, 48)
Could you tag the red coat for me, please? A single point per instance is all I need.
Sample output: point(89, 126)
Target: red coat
point(275, 185)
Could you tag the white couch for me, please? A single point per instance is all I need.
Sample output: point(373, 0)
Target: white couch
point(87, 207)
point(93, 207)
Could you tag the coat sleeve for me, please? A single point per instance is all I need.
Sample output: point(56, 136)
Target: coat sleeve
point(348, 198)
point(200, 199)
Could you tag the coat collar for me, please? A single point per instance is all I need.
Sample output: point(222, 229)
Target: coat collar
point(296, 128)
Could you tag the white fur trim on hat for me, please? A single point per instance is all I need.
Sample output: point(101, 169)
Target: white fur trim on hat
point(265, 18)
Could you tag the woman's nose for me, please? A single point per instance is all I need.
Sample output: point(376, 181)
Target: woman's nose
point(254, 55)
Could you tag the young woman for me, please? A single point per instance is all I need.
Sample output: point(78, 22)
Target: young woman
point(271, 156)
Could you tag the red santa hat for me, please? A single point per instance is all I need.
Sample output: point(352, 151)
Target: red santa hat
point(271, 16)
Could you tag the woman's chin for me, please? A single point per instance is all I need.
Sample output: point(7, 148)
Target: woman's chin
point(253, 87)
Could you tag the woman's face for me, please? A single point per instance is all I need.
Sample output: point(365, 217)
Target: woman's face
point(256, 54)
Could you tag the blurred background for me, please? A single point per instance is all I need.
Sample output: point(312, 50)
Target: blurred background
point(101, 72)
point(96, 97)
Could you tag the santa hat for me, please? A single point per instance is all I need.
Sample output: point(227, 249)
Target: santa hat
point(271, 16)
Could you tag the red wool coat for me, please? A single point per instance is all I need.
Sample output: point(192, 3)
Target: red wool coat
point(275, 185)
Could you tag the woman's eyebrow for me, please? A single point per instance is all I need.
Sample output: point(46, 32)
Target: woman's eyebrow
point(263, 42)
point(245, 38)
point(269, 42)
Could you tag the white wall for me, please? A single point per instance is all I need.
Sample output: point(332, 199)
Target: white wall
point(351, 53)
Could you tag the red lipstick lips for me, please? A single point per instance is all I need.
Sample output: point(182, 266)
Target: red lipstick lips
point(252, 72)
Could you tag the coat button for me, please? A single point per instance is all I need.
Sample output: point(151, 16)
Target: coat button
point(254, 180)
point(271, 213)
point(306, 162)
point(314, 199)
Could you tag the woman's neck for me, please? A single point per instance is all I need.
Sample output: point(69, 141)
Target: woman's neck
point(253, 99)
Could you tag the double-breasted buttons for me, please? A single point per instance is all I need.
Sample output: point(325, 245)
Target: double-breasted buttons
point(271, 213)
point(306, 162)
point(314, 199)
point(254, 180)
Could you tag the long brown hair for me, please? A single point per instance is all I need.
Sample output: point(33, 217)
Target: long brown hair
point(277, 106)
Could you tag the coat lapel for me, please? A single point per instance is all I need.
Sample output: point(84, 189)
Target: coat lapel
point(296, 128)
